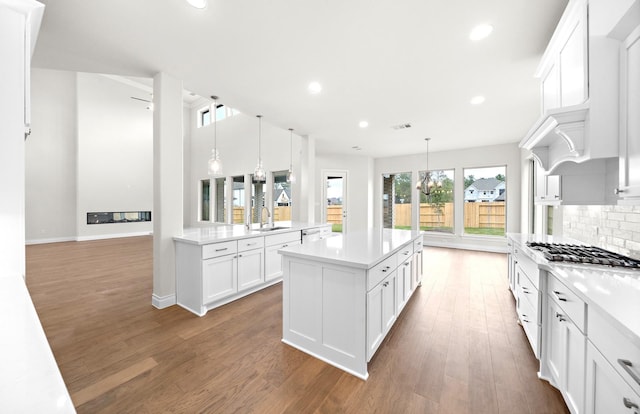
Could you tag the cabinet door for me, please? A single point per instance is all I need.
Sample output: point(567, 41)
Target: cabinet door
point(250, 268)
point(573, 66)
point(606, 391)
point(551, 89)
point(375, 319)
point(403, 286)
point(219, 278)
point(554, 342)
point(630, 121)
point(389, 302)
point(417, 268)
point(273, 260)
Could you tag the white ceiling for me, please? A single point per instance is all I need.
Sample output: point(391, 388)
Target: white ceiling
point(387, 62)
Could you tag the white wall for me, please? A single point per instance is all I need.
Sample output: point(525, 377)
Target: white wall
point(508, 154)
point(115, 155)
point(51, 158)
point(359, 188)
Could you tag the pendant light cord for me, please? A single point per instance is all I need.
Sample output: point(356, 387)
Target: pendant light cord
point(290, 148)
point(259, 138)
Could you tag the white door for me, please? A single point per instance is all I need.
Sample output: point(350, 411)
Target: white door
point(334, 186)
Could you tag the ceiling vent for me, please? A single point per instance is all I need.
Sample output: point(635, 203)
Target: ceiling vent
point(401, 126)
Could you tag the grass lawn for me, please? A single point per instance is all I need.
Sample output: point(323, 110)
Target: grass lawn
point(336, 228)
point(485, 231)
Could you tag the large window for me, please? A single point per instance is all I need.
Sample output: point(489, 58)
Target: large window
point(396, 199)
point(258, 195)
point(238, 199)
point(282, 198)
point(485, 191)
point(220, 212)
point(205, 190)
point(437, 201)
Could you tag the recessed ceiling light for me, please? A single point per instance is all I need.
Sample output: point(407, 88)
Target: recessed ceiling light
point(315, 87)
point(198, 4)
point(363, 124)
point(480, 31)
point(477, 100)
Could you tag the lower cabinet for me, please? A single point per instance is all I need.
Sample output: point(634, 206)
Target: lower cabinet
point(404, 283)
point(219, 278)
point(381, 312)
point(250, 268)
point(607, 392)
point(565, 356)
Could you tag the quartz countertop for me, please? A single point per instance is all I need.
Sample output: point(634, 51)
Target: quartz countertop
point(614, 290)
point(30, 381)
point(356, 249)
point(226, 232)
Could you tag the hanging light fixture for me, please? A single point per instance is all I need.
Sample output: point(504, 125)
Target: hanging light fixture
point(426, 184)
point(290, 177)
point(215, 165)
point(259, 173)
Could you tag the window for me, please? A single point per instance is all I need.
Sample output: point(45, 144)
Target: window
point(396, 199)
point(205, 209)
point(282, 198)
point(258, 195)
point(222, 112)
point(485, 200)
point(220, 212)
point(437, 208)
point(238, 199)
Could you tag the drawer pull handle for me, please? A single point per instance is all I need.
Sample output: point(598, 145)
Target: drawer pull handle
point(406, 253)
point(222, 250)
point(628, 366)
point(251, 244)
point(386, 268)
point(385, 284)
point(284, 245)
point(407, 263)
point(560, 317)
point(629, 404)
point(560, 298)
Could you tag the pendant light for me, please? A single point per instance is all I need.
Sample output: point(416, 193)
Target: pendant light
point(290, 177)
point(426, 184)
point(215, 165)
point(259, 173)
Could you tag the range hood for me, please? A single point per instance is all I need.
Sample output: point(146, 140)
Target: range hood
point(559, 136)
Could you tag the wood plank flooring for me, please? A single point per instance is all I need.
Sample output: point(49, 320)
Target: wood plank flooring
point(455, 349)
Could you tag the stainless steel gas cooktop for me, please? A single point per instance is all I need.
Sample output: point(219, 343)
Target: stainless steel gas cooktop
point(573, 253)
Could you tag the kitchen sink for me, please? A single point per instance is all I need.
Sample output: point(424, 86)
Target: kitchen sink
point(272, 228)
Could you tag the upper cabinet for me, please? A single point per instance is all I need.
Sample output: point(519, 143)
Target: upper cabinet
point(583, 102)
point(629, 186)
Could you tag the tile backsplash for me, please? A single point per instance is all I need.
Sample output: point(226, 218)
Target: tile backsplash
point(615, 228)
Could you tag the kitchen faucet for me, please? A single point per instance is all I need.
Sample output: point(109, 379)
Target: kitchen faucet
point(262, 213)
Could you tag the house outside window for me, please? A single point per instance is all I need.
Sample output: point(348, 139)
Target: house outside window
point(437, 208)
point(485, 201)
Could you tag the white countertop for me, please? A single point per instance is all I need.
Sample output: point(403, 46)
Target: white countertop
point(357, 249)
point(226, 232)
point(30, 381)
point(614, 290)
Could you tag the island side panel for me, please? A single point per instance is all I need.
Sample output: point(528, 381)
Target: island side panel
point(324, 312)
point(189, 277)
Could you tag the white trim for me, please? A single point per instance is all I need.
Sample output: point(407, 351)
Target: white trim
point(50, 240)
point(162, 302)
point(480, 245)
point(114, 236)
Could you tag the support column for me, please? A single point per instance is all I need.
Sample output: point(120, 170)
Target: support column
point(305, 211)
point(167, 185)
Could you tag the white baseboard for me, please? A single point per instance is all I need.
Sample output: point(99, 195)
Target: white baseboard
point(114, 236)
point(481, 244)
point(162, 302)
point(50, 240)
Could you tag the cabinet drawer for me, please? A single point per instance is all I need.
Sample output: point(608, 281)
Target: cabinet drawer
point(380, 271)
point(526, 291)
point(528, 266)
point(418, 244)
point(251, 243)
point(621, 352)
point(282, 238)
point(571, 304)
point(219, 249)
point(405, 253)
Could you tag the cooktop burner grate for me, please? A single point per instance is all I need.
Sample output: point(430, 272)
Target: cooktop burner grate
point(574, 253)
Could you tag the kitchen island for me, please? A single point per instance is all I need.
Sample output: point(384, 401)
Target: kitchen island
point(342, 295)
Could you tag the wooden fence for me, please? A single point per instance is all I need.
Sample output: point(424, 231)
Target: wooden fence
point(480, 215)
point(280, 213)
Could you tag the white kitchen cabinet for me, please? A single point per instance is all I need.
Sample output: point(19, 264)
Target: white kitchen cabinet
point(565, 345)
point(272, 259)
point(250, 268)
point(528, 299)
point(629, 185)
point(606, 391)
point(548, 190)
point(381, 312)
point(403, 283)
point(219, 278)
point(418, 264)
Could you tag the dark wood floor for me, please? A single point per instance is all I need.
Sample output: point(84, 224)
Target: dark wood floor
point(455, 349)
